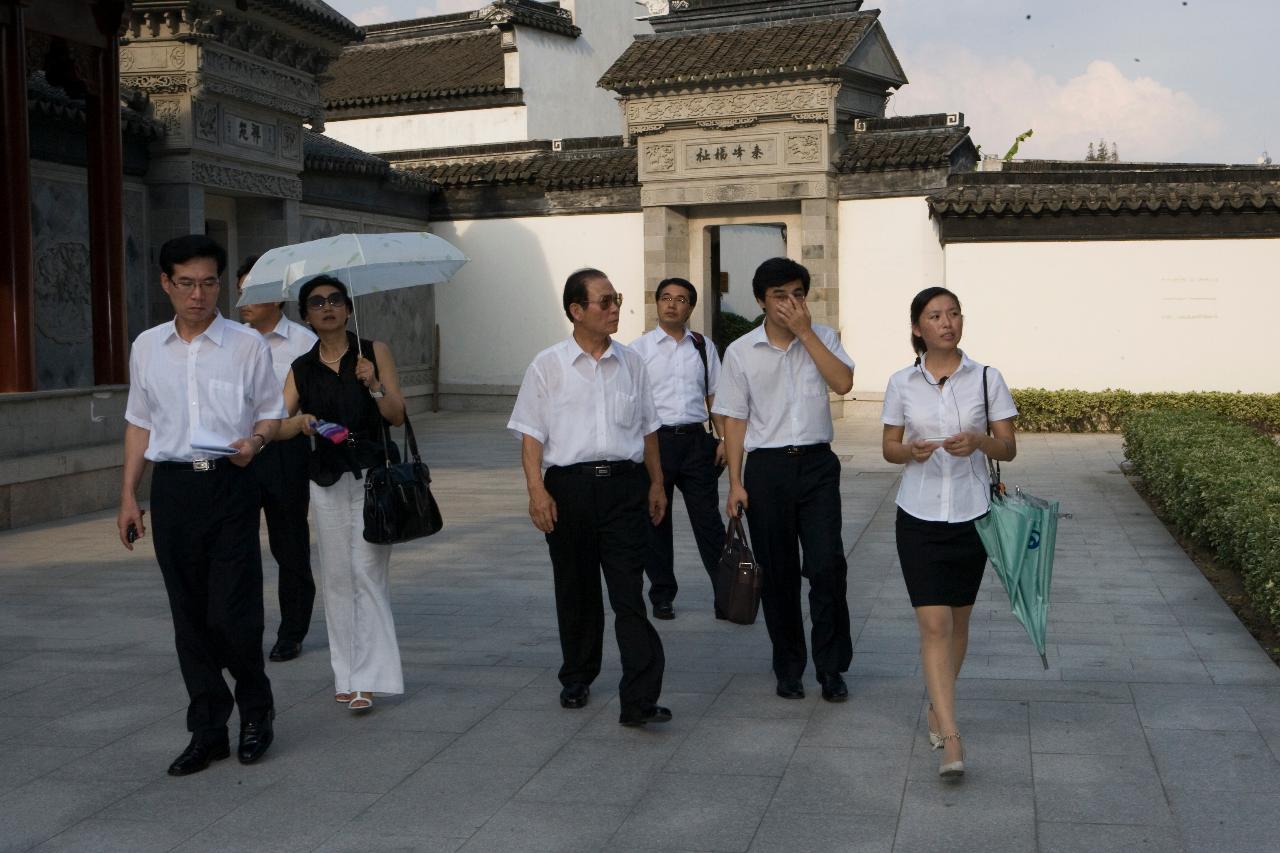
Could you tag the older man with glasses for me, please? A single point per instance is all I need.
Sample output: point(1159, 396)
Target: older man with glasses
point(684, 370)
point(587, 425)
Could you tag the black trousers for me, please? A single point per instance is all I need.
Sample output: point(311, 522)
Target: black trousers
point(689, 463)
point(205, 529)
point(601, 528)
point(284, 494)
point(793, 504)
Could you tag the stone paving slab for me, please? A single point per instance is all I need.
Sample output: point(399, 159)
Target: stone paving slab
point(1156, 726)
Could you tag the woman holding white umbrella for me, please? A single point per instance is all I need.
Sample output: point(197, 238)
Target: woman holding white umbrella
point(352, 382)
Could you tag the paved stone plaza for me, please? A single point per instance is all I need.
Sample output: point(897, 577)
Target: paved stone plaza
point(1157, 726)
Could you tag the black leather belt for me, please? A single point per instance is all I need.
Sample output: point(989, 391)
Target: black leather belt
point(199, 465)
point(602, 468)
point(682, 429)
point(791, 449)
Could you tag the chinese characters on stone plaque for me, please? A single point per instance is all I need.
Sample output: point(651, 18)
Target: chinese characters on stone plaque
point(738, 152)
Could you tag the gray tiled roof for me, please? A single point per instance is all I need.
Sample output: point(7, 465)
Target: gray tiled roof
point(814, 47)
point(526, 13)
point(913, 142)
point(325, 154)
point(50, 100)
point(594, 163)
point(315, 12)
point(421, 69)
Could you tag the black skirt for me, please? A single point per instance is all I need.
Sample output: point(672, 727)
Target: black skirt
point(942, 563)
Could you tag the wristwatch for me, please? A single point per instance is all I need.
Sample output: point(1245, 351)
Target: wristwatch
point(377, 395)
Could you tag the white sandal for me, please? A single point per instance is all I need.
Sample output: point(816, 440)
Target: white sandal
point(344, 698)
point(361, 701)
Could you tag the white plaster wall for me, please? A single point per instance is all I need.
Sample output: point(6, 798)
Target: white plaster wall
point(432, 130)
point(504, 306)
point(1160, 315)
point(889, 252)
point(558, 75)
point(742, 249)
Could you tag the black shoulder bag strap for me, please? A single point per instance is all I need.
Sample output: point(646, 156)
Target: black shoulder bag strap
point(700, 344)
point(993, 468)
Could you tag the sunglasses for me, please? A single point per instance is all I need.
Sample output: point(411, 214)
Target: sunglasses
point(333, 300)
point(605, 302)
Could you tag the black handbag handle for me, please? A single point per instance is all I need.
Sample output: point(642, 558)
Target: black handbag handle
point(737, 531)
point(410, 439)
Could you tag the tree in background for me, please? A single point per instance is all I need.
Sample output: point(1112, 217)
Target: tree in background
point(1100, 153)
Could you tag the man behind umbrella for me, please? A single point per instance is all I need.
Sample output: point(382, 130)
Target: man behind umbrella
point(281, 474)
point(201, 379)
point(586, 411)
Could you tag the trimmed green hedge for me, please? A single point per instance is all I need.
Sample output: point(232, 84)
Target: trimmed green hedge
point(729, 327)
point(1040, 410)
point(1218, 482)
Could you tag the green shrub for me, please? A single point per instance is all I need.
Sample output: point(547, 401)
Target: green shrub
point(730, 326)
point(1218, 482)
point(1040, 410)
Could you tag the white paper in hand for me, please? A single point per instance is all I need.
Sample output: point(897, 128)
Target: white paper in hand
point(203, 441)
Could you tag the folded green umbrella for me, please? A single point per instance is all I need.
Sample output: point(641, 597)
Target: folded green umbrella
point(1020, 533)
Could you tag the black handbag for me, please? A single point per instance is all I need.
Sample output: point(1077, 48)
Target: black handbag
point(738, 579)
point(398, 504)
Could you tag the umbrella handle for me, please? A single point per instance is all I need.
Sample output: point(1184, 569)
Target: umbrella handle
point(342, 276)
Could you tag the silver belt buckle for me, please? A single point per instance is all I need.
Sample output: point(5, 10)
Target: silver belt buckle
point(793, 450)
point(202, 465)
point(604, 471)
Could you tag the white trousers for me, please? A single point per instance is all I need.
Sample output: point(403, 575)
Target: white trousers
point(357, 593)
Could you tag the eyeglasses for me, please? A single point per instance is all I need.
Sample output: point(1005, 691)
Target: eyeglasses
point(187, 284)
point(672, 299)
point(605, 302)
point(333, 300)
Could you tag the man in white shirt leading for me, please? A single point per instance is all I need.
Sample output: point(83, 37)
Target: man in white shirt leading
point(683, 372)
point(587, 427)
point(203, 402)
point(774, 396)
point(284, 492)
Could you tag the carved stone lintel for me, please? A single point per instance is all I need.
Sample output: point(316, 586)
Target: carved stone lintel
point(756, 102)
point(728, 123)
point(158, 84)
point(213, 86)
point(191, 24)
point(815, 116)
point(643, 129)
point(228, 177)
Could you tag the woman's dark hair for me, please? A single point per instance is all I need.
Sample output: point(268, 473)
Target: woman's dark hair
point(575, 287)
point(776, 272)
point(674, 282)
point(319, 280)
point(922, 299)
point(179, 250)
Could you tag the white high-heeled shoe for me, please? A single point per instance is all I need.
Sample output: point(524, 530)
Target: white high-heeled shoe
point(952, 769)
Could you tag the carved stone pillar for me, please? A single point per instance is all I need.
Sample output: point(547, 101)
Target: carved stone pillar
point(17, 303)
point(666, 253)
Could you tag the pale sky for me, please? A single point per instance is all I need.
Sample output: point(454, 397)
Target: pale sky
point(1166, 80)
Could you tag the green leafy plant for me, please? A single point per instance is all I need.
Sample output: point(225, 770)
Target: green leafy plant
point(1217, 482)
point(1040, 410)
point(729, 327)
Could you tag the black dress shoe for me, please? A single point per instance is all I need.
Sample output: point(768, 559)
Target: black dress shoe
point(640, 716)
point(285, 650)
point(833, 687)
point(574, 695)
point(720, 614)
point(664, 610)
point(790, 688)
point(255, 738)
point(197, 756)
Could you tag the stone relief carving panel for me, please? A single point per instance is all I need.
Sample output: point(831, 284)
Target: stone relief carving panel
point(258, 76)
point(213, 86)
point(60, 245)
point(159, 84)
point(249, 133)
point(168, 111)
point(803, 148)
point(258, 183)
point(290, 142)
point(660, 157)
point(206, 120)
point(757, 103)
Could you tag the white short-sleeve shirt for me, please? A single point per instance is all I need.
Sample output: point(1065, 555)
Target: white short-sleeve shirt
point(214, 388)
point(288, 340)
point(676, 375)
point(945, 487)
point(584, 410)
point(779, 392)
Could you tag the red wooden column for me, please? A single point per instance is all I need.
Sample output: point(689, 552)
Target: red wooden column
point(106, 204)
point(17, 300)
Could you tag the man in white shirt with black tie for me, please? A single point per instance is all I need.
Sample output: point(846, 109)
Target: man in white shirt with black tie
point(196, 384)
point(683, 371)
point(284, 492)
point(774, 396)
point(586, 413)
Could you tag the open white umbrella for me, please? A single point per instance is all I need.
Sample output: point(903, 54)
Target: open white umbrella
point(365, 263)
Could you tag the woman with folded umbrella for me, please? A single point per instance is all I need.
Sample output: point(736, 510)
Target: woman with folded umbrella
point(351, 382)
point(935, 422)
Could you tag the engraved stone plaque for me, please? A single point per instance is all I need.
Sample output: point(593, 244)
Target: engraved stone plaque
point(733, 152)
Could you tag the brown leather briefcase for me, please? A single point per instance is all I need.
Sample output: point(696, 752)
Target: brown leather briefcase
point(739, 578)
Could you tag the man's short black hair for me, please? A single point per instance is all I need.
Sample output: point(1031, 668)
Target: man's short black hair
point(776, 272)
point(575, 287)
point(681, 282)
point(246, 265)
point(179, 250)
